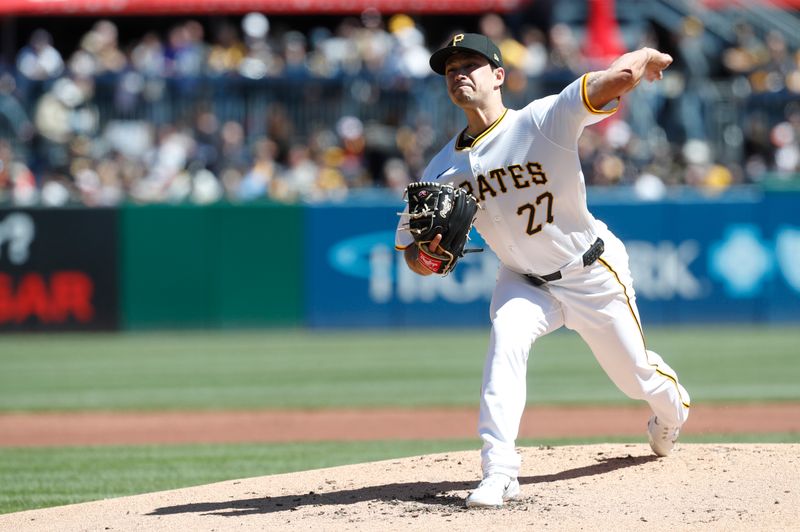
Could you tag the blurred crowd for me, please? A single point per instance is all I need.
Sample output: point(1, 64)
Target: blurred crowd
point(115, 121)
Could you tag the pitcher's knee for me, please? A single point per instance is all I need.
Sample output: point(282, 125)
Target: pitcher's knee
point(633, 388)
point(511, 335)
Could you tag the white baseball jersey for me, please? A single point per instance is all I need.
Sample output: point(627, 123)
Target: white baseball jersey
point(527, 178)
point(525, 172)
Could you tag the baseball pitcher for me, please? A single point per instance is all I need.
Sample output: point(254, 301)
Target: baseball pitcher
point(559, 265)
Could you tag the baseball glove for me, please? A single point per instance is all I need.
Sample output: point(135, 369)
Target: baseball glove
point(435, 208)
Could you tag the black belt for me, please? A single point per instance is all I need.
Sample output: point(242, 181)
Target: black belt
point(591, 255)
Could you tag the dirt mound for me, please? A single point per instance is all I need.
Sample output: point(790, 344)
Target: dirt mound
point(595, 487)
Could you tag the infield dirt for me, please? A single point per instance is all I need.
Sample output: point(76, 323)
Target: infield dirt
point(593, 487)
point(540, 422)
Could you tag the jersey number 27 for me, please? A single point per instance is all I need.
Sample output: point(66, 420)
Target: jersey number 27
point(543, 201)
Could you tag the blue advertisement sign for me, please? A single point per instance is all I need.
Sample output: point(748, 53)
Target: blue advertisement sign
point(699, 261)
point(356, 278)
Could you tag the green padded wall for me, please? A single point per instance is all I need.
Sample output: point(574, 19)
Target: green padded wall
point(211, 266)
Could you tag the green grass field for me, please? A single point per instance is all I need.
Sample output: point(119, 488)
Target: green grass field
point(224, 370)
point(272, 369)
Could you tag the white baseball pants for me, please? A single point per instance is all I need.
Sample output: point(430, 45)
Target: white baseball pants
point(598, 302)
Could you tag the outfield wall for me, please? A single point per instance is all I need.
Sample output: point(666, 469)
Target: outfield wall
point(728, 259)
point(59, 269)
point(210, 267)
point(694, 259)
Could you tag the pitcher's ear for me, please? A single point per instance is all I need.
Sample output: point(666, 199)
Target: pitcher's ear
point(500, 75)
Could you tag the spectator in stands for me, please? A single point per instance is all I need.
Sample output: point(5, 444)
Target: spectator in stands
point(206, 136)
point(14, 119)
point(340, 50)
point(693, 64)
point(260, 60)
point(233, 150)
point(227, 52)
point(6, 162)
point(260, 180)
point(409, 53)
point(165, 178)
point(62, 114)
point(331, 183)
point(787, 147)
point(280, 127)
point(148, 59)
point(57, 190)
point(206, 188)
point(565, 50)
point(646, 103)
point(757, 144)
point(793, 78)
point(87, 181)
point(299, 180)
point(352, 146)
point(17, 182)
point(295, 55)
point(747, 53)
point(535, 60)
point(374, 46)
point(38, 64)
point(39, 60)
point(148, 56)
point(396, 175)
point(102, 47)
point(514, 53)
point(772, 75)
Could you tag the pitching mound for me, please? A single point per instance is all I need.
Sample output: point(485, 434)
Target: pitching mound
point(596, 487)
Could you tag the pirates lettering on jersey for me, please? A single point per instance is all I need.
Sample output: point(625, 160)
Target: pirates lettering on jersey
point(521, 177)
point(536, 173)
point(497, 175)
point(484, 187)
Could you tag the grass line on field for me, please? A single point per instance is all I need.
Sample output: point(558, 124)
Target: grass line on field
point(307, 369)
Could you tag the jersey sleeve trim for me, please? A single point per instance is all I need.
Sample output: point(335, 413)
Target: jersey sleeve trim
point(588, 104)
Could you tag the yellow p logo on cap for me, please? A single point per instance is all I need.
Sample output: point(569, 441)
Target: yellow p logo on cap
point(457, 39)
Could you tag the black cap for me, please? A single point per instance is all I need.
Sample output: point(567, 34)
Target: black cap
point(466, 42)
